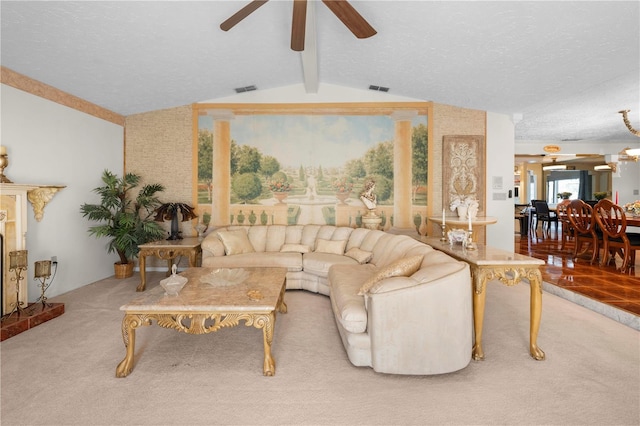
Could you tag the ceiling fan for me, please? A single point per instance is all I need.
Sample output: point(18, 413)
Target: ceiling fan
point(341, 8)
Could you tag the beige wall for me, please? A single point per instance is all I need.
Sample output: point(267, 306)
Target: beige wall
point(158, 146)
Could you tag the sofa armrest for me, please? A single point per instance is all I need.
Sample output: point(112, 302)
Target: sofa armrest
point(424, 328)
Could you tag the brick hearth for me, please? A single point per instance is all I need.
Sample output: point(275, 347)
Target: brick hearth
point(32, 316)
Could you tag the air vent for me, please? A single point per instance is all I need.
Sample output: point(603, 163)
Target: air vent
point(378, 88)
point(245, 89)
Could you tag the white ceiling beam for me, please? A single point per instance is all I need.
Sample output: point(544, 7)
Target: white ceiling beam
point(309, 56)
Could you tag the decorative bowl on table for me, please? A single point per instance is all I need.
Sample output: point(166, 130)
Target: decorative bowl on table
point(457, 236)
point(225, 277)
point(174, 283)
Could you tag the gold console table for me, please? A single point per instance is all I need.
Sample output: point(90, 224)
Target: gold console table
point(488, 263)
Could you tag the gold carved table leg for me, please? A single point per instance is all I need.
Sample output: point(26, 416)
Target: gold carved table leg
point(535, 281)
point(142, 256)
point(510, 276)
point(129, 325)
point(267, 323)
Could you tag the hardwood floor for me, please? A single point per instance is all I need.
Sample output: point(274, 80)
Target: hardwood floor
point(604, 284)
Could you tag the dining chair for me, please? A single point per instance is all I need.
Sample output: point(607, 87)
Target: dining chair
point(612, 221)
point(567, 229)
point(583, 222)
point(544, 215)
point(531, 212)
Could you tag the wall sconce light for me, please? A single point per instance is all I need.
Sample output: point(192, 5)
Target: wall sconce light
point(634, 152)
point(602, 167)
point(42, 273)
point(18, 264)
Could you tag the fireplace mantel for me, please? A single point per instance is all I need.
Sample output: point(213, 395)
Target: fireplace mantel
point(13, 227)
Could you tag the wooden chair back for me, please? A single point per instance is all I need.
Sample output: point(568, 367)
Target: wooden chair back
point(581, 216)
point(611, 219)
point(583, 221)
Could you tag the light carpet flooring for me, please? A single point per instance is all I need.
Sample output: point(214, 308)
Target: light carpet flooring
point(63, 372)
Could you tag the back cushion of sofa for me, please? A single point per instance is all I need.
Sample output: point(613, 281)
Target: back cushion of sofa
point(257, 236)
point(356, 237)
point(393, 249)
point(309, 234)
point(275, 237)
point(326, 232)
point(341, 233)
point(371, 239)
point(293, 234)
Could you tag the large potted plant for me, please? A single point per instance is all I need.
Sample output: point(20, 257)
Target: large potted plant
point(126, 221)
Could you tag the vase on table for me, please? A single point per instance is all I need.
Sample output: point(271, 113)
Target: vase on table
point(462, 212)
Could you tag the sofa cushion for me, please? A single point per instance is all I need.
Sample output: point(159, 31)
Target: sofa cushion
point(360, 256)
point(291, 261)
point(332, 247)
point(348, 306)
point(235, 242)
point(316, 263)
point(403, 267)
point(295, 248)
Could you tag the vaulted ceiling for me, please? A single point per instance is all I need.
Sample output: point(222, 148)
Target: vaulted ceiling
point(565, 67)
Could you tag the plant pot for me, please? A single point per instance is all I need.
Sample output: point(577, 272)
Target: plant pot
point(280, 196)
point(123, 270)
point(342, 196)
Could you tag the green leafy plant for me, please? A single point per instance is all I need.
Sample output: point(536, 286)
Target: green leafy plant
point(600, 195)
point(127, 222)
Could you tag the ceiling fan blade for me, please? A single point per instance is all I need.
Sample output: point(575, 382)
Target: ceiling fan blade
point(351, 18)
point(241, 14)
point(298, 25)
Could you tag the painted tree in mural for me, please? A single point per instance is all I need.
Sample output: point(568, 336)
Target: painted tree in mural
point(247, 186)
point(269, 165)
point(248, 159)
point(379, 160)
point(355, 169)
point(419, 159)
point(205, 160)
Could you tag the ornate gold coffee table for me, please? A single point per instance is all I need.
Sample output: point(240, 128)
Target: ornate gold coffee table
point(202, 308)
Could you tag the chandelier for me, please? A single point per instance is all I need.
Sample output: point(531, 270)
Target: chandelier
point(631, 152)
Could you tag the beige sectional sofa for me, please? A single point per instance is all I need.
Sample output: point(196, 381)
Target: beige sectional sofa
point(401, 306)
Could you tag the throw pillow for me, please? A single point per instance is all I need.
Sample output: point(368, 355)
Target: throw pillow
point(361, 256)
point(329, 246)
point(295, 248)
point(235, 242)
point(401, 268)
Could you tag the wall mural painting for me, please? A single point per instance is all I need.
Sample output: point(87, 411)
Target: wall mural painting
point(311, 163)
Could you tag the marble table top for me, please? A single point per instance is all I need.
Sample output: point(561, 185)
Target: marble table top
point(483, 255)
point(258, 292)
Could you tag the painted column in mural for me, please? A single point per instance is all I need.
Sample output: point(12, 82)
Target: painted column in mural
point(221, 167)
point(402, 169)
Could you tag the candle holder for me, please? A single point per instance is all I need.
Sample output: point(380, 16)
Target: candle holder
point(4, 162)
point(469, 244)
point(17, 264)
point(443, 238)
point(42, 274)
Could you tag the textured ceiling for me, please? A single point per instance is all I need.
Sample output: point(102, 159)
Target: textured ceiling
point(567, 67)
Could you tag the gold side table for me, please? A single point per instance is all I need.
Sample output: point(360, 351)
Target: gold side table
point(168, 250)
